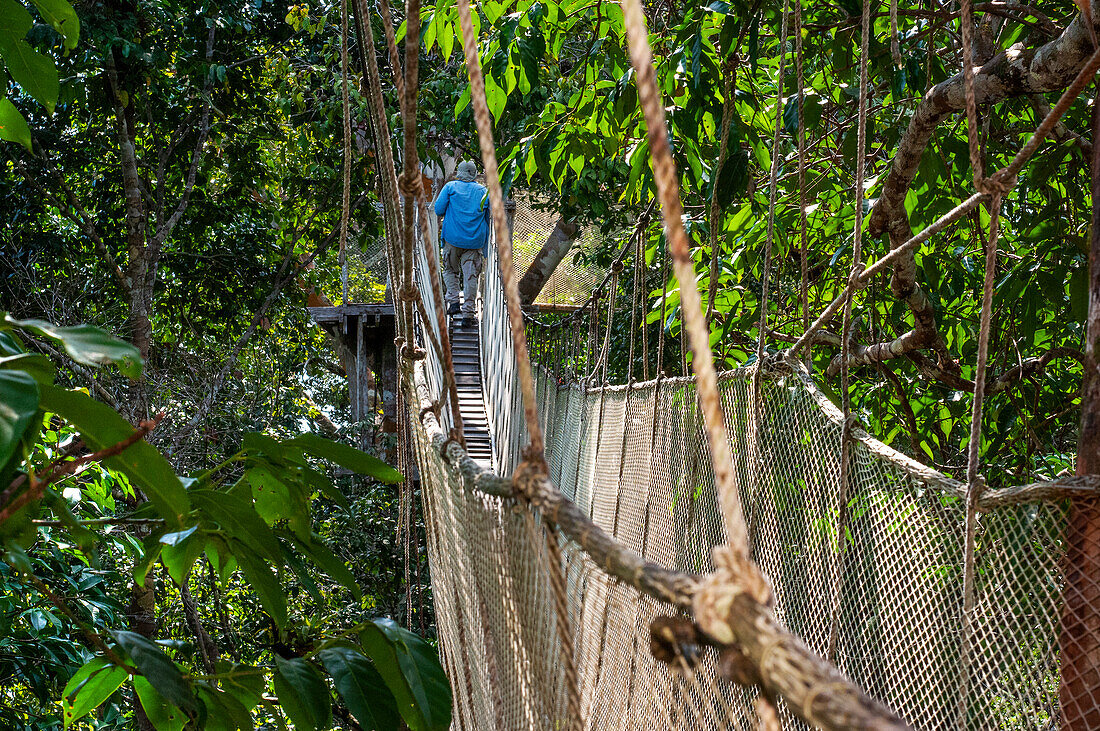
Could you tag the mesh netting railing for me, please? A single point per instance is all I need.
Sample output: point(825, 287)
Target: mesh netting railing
point(635, 461)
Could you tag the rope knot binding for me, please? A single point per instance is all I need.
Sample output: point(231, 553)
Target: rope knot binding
point(408, 293)
point(734, 575)
point(999, 183)
point(411, 352)
point(411, 186)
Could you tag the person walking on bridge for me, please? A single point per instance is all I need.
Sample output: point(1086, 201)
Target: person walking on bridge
point(463, 204)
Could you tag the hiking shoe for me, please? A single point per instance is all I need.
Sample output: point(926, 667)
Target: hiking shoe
point(454, 309)
point(469, 321)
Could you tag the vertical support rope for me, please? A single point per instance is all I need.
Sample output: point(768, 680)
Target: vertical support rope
point(773, 186)
point(535, 448)
point(574, 722)
point(644, 274)
point(346, 199)
point(895, 46)
point(966, 20)
point(803, 235)
point(729, 93)
point(664, 311)
point(846, 334)
point(975, 484)
point(664, 174)
point(391, 45)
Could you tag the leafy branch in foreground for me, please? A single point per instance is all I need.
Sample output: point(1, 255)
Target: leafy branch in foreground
point(250, 514)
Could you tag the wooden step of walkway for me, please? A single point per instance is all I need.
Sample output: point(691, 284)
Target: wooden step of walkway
point(466, 350)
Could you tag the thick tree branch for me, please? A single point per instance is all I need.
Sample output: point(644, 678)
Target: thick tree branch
point(1014, 72)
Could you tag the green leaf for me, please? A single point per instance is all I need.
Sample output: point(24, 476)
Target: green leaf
point(411, 669)
point(265, 583)
point(157, 668)
point(243, 682)
point(303, 694)
point(93, 684)
point(19, 395)
point(151, 548)
point(101, 427)
point(62, 17)
point(733, 179)
point(13, 127)
point(32, 70)
point(239, 519)
point(36, 366)
point(362, 688)
point(163, 715)
point(349, 457)
point(224, 712)
point(87, 345)
point(327, 561)
point(15, 21)
point(278, 499)
point(179, 557)
point(324, 485)
point(495, 97)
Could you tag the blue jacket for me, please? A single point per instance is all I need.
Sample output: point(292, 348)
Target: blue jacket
point(465, 210)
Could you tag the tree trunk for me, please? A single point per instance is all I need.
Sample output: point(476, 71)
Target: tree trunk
point(137, 270)
point(1079, 694)
point(546, 261)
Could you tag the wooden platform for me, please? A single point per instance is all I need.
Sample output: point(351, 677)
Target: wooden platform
point(466, 351)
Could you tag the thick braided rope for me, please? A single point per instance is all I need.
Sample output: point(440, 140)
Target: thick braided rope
point(846, 330)
point(412, 188)
point(391, 45)
point(773, 186)
point(409, 180)
point(535, 448)
point(664, 174)
point(345, 203)
point(387, 174)
point(966, 20)
point(974, 482)
point(446, 351)
point(895, 46)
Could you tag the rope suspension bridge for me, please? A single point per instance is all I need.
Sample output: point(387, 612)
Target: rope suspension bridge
point(707, 551)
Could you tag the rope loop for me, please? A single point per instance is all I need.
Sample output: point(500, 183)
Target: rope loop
point(409, 292)
point(411, 186)
point(999, 183)
point(412, 352)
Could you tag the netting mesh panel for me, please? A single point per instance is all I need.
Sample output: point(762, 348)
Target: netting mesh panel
point(635, 460)
point(577, 275)
point(883, 573)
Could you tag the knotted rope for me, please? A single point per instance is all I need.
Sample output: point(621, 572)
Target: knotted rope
point(535, 446)
point(846, 333)
point(345, 204)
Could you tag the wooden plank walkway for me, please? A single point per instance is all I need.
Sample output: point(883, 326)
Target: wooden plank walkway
point(466, 351)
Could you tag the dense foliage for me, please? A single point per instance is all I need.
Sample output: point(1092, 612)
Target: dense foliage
point(560, 86)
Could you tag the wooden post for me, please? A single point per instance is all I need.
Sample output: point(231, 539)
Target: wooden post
point(1079, 695)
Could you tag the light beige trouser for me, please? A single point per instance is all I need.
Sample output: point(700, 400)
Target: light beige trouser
point(461, 270)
